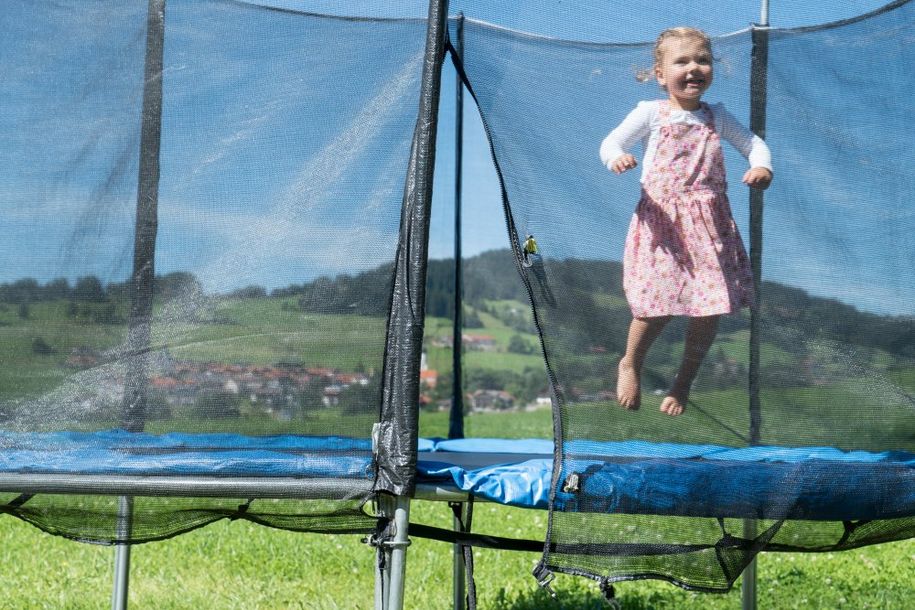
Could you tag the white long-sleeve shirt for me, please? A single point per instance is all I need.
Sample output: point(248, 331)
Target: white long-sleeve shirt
point(644, 124)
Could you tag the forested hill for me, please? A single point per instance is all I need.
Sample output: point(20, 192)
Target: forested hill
point(790, 314)
point(492, 275)
point(488, 276)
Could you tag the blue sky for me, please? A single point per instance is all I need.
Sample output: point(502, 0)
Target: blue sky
point(257, 243)
point(575, 20)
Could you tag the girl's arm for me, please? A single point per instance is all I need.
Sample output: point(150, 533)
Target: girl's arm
point(751, 146)
point(634, 127)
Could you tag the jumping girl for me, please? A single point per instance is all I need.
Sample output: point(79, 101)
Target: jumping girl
point(683, 255)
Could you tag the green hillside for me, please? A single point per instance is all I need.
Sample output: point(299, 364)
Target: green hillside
point(823, 363)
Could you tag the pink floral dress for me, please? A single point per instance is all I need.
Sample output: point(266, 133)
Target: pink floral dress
point(684, 255)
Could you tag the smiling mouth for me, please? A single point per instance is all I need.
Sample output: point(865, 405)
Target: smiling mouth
point(695, 82)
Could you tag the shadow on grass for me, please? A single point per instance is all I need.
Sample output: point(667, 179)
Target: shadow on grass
point(568, 600)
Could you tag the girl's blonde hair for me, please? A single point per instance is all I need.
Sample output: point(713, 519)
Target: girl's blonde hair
point(680, 33)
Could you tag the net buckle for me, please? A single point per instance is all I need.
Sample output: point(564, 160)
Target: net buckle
point(544, 577)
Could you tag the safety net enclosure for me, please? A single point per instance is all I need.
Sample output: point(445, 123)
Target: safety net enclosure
point(215, 254)
point(824, 362)
point(271, 148)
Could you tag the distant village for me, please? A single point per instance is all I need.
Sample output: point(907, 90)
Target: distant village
point(279, 390)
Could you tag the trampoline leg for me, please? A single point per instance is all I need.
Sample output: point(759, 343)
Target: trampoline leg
point(748, 586)
point(122, 555)
point(399, 546)
point(390, 571)
point(380, 575)
point(458, 581)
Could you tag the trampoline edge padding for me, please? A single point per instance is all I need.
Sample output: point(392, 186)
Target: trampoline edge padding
point(628, 477)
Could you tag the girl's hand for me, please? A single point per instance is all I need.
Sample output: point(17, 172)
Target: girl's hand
point(758, 178)
point(623, 163)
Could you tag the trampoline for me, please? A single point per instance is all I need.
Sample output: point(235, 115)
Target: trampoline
point(218, 297)
point(647, 478)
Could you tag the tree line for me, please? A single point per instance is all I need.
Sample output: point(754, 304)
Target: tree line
point(90, 289)
point(581, 317)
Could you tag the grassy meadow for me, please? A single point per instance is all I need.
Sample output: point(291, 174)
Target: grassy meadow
point(236, 564)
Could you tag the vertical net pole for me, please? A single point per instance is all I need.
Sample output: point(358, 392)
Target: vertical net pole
point(759, 67)
point(141, 284)
point(458, 583)
point(758, 85)
point(456, 416)
point(397, 429)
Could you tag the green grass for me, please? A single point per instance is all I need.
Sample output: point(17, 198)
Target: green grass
point(260, 331)
point(231, 565)
point(239, 565)
point(24, 372)
point(509, 424)
point(440, 358)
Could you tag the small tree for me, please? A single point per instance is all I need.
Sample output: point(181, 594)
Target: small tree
point(517, 345)
point(90, 289)
point(41, 347)
point(217, 405)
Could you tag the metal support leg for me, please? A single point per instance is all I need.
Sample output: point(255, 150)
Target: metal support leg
point(399, 552)
point(122, 555)
point(459, 581)
point(392, 554)
point(748, 586)
point(381, 587)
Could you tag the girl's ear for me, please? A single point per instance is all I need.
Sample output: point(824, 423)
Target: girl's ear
point(659, 75)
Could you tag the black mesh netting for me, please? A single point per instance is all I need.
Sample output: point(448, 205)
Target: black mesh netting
point(284, 142)
point(836, 331)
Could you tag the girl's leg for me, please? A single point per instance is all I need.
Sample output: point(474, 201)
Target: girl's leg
point(642, 333)
point(700, 333)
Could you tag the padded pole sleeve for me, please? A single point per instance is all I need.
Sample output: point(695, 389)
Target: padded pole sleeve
point(141, 284)
point(758, 87)
point(456, 415)
point(396, 438)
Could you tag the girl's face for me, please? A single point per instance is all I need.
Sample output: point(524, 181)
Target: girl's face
point(685, 70)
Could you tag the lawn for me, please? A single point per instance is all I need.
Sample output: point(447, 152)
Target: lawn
point(235, 565)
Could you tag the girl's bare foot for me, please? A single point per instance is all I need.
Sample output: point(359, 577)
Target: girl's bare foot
point(672, 405)
point(675, 401)
point(628, 388)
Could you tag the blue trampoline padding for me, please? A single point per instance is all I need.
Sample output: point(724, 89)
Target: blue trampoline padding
point(640, 477)
point(815, 483)
point(123, 440)
point(636, 449)
point(426, 444)
point(132, 453)
point(494, 445)
point(520, 482)
point(525, 484)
